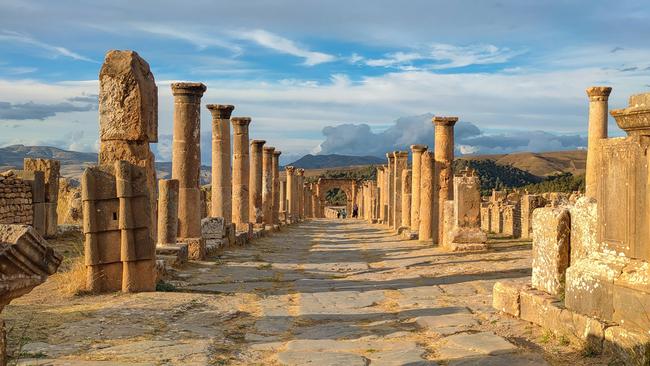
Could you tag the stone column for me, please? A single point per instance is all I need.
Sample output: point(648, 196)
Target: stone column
point(283, 196)
point(406, 198)
point(380, 189)
point(240, 172)
point(391, 189)
point(314, 203)
point(221, 196)
point(186, 156)
point(300, 199)
point(291, 193)
point(598, 96)
point(444, 157)
point(167, 211)
point(428, 226)
point(255, 212)
point(416, 151)
point(399, 164)
point(267, 184)
point(275, 170)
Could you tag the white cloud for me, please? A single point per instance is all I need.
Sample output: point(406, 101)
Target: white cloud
point(284, 45)
point(55, 51)
point(201, 39)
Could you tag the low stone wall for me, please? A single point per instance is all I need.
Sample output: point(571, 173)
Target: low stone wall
point(15, 200)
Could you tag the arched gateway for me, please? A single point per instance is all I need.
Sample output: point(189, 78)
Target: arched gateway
point(349, 186)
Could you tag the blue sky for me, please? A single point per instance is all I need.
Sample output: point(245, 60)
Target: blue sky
point(508, 68)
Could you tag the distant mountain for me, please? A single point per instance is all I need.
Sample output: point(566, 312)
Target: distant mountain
point(540, 164)
point(334, 161)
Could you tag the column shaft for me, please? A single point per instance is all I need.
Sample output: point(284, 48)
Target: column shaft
point(598, 97)
point(240, 172)
point(167, 211)
point(428, 198)
point(399, 165)
point(256, 213)
point(444, 156)
point(275, 210)
point(267, 184)
point(417, 151)
point(221, 200)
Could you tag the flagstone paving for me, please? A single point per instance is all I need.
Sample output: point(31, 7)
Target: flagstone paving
point(323, 292)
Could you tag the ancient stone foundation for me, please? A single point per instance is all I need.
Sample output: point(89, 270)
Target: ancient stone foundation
point(462, 215)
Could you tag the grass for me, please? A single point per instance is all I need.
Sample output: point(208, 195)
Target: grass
point(73, 281)
point(165, 287)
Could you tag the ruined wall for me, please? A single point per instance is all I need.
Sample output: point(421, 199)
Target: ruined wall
point(69, 208)
point(15, 200)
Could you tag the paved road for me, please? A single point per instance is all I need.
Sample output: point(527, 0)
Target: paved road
point(323, 292)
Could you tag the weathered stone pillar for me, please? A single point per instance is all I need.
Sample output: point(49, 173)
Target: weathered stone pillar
point(391, 189)
point(416, 151)
point(267, 184)
point(221, 196)
point(186, 156)
point(275, 170)
point(167, 211)
point(444, 158)
point(428, 228)
point(399, 164)
point(256, 213)
point(283, 196)
point(381, 193)
point(300, 199)
point(598, 97)
point(291, 193)
point(406, 198)
point(240, 172)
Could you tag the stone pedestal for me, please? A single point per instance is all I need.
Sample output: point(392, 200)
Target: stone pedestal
point(444, 156)
point(551, 240)
point(221, 197)
point(240, 172)
point(598, 96)
point(463, 216)
point(186, 157)
point(255, 210)
point(416, 153)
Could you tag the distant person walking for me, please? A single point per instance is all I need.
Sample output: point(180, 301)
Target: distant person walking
point(338, 214)
point(344, 214)
point(355, 211)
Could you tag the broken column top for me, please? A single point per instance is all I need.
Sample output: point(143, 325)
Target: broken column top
point(635, 119)
point(599, 93)
point(258, 142)
point(391, 155)
point(301, 172)
point(240, 121)
point(128, 98)
point(221, 111)
point(400, 154)
point(183, 88)
point(444, 121)
point(419, 148)
point(290, 169)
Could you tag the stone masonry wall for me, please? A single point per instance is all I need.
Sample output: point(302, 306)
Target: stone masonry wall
point(15, 200)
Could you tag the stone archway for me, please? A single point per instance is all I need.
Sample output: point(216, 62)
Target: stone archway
point(348, 186)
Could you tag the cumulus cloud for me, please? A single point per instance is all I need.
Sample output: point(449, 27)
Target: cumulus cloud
point(359, 139)
point(39, 111)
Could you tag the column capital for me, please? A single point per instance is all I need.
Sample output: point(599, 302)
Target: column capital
point(258, 142)
point(290, 169)
point(419, 148)
point(240, 121)
point(277, 152)
point(598, 93)
point(220, 111)
point(391, 156)
point(269, 149)
point(445, 121)
point(187, 88)
point(301, 172)
point(401, 154)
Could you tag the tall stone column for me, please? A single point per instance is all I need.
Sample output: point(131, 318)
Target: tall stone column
point(391, 189)
point(283, 200)
point(267, 184)
point(255, 211)
point(167, 211)
point(291, 193)
point(416, 151)
point(186, 156)
point(240, 172)
point(406, 198)
point(275, 170)
point(380, 189)
point(299, 192)
point(314, 203)
point(221, 200)
point(598, 97)
point(428, 225)
point(399, 164)
point(444, 156)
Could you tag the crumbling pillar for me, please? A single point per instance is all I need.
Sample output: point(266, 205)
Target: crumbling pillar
point(406, 198)
point(275, 172)
point(267, 184)
point(240, 172)
point(221, 196)
point(256, 213)
point(416, 151)
point(167, 211)
point(598, 96)
point(300, 197)
point(428, 228)
point(399, 164)
point(291, 193)
point(45, 214)
point(390, 175)
point(186, 157)
point(444, 158)
point(283, 196)
point(381, 193)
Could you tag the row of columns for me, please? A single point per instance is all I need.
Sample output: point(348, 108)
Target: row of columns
point(408, 199)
